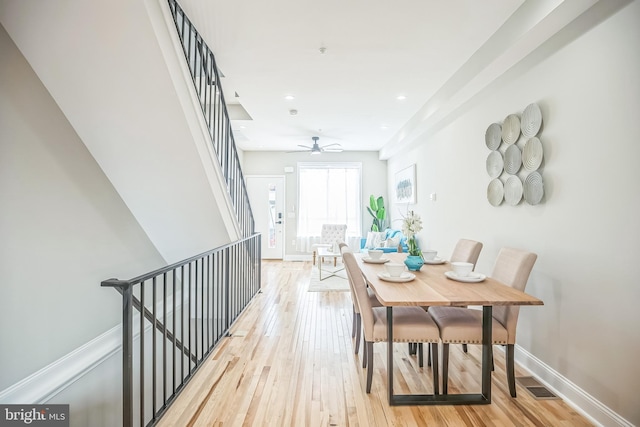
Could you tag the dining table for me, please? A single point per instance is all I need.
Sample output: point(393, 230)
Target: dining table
point(431, 287)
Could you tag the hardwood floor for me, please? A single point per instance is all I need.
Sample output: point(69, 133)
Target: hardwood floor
point(291, 362)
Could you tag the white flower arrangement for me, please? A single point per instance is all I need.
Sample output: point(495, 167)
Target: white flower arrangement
point(411, 225)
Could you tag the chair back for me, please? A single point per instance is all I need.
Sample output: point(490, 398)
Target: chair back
point(359, 285)
point(512, 268)
point(333, 233)
point(466, 251)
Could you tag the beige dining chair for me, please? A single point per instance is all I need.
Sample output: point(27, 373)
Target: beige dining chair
point(356, 324)
point(410, 324)
point(464, 325)
point(466, 251)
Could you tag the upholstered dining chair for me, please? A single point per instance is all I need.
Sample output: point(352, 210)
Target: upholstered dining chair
point(356, 324)
point(330, 236)
point(410, 324)
point(466, 251)
point(464, 325)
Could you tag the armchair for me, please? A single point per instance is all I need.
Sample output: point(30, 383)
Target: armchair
point(330, 236)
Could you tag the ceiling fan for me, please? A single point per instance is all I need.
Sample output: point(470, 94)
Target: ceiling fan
point(317, 149)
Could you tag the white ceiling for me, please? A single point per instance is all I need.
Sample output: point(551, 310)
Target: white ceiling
point(375, 51)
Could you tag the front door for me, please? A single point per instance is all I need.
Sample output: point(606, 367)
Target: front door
point(266, 195)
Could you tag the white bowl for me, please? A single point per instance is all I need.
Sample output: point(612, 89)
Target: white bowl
point(429, 254)
point(462, 269)
point(394, 269)
point(375, 253)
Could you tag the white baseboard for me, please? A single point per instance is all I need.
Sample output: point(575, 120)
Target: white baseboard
point(297, 258)
point(580, 400)
point(42, 385)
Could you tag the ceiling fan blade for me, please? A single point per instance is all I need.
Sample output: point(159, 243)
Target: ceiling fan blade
point(330, 145)
point(332, 150)
point(305, 146)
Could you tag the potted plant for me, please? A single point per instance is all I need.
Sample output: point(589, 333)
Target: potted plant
point(378, 212)
point(411, 225)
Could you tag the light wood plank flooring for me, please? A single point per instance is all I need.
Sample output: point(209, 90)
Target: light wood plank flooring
point(291, 362)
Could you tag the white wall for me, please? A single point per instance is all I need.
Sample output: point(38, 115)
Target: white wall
point(374, 175)
point(116, 73)
point(587, 230)
point(63, 229)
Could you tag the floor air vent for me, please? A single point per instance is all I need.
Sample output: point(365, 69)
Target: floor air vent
point(537, 390)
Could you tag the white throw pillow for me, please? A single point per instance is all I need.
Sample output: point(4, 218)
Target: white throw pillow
point(374, 239)
point(392, 242)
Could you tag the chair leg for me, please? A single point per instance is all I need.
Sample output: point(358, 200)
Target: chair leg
point(369, 350)
point(353, 323)
point(493, 366)
point(420, 357)
point(511, 377)
point(445, 367)
point(335, 262)
point(358, 331)
point(464, 348)
point(314, 257)
point(364, 354)
point(436, 379)
point(428, 355)
point(411, 352)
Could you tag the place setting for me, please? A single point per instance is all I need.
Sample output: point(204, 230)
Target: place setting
point(395, 272)
point(429, 256)
point(375, 257)
point(463, 272)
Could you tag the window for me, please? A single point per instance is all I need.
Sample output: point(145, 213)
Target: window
point(328, 193)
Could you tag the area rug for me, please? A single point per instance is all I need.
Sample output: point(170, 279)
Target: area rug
point(338, 282)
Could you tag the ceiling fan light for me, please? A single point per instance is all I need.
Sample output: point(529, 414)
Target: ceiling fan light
point(314, 152)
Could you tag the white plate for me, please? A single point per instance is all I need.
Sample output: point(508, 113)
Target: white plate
point(495, 192)
point(435, 261)
point(471, 278)
point(511, 129)
point(512, 159)
point(495, 164)
point(404, 277)
point(513, 190)
point(533, 188)
point(532, 154)
point(493, 136)
point(375, 261)
point(531, 120)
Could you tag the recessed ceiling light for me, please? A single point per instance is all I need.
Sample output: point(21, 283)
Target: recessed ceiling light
point(384, 127)
point(289, 97)
point(401, 97)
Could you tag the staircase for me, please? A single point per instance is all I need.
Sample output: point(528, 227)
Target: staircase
point(141, 89)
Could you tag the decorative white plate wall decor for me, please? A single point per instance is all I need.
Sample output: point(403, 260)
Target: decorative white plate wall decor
point(494, 164)
point(533, 188)
point(493, 136)
point(532, 154)
point(531, 120)
point(495, 192)
point(513, 190)
point(512, 159)
point(516, 161)
point(511, 129)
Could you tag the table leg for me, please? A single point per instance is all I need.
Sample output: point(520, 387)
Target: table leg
point(487, 339)
point(390, 353)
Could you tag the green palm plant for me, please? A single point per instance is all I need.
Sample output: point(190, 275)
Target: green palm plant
point(378, 212)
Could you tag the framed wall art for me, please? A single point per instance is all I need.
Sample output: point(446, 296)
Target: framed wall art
point(405, 185)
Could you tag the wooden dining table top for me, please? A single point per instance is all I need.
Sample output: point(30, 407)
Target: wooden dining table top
point(432, 288)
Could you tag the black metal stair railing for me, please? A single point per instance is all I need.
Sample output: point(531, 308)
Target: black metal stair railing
point(206, 80)
point(173, 318)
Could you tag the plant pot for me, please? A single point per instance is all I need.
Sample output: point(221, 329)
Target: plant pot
point(414, 262)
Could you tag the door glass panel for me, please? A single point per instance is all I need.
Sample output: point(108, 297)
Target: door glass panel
point(272, 216)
